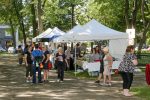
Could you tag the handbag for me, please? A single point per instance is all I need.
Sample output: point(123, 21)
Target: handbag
point(49, 65)
point(41, 65)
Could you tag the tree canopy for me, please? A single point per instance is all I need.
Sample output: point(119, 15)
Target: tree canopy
point(34, 16)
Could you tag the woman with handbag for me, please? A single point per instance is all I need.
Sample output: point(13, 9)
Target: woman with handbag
point(126, 69)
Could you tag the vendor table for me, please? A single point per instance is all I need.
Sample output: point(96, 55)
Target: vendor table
point(95, 66)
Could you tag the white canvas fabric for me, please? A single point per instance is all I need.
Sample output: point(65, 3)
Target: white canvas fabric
point(68, 36)
point(92, 31)
point(54, 32)
point(48, 31)
point(118, 47)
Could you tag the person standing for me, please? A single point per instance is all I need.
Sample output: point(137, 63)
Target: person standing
point(28, 63)
point(98, 56)
point(61, 59)
point(68, 56)
point(20, 55)
point(108, 61)
point(45, 62)
point(26, 49)
point(38, 57)
point(78, 51)
point(102, 55)
point(126, 69)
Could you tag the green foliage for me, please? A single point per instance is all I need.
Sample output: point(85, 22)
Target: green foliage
point(58, 13)
point(53, 16)
point(108, 12)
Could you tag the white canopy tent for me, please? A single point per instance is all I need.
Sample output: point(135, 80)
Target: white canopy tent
point(48, 31)
point(93, 31)
point(66, 38)
point(54, 33)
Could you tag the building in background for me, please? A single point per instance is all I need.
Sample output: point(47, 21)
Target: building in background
point(6, 39)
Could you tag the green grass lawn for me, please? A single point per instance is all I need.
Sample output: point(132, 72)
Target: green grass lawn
point(143, 92)
point(85, 75)
point(2, 53)
point(81, 75)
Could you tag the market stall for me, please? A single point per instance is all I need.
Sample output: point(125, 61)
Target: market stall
point(95, 31)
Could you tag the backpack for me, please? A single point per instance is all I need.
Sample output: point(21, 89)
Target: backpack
point(38, 60)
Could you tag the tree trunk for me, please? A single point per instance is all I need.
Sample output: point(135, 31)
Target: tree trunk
point(143, 39)
point(134, 14)
point(146, 26)
point(20, 20)
point(126, 13)
point(34, 23)
point(72, 21)
point(13, 32)
point(40, 13)
point(43, 4)
point(72, 15)
point(23, 31)
point(92, 43)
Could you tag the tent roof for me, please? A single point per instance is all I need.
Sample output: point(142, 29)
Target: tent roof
point(72, 31)
point(75, 29)
point(48, 31)
point(94, 30)
point(54, 32)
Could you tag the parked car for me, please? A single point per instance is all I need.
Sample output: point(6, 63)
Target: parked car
point(11, 50)
point(2, 49)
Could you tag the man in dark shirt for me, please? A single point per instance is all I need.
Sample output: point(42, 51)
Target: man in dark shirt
point(28, 62)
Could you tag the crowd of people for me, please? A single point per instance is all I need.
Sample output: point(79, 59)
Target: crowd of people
point(37, 59)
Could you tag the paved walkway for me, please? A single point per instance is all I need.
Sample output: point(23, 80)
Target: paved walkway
point(13, 86)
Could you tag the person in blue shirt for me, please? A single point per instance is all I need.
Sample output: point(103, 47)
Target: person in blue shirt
point(37, 57)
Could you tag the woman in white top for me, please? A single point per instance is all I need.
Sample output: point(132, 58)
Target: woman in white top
point(68, 56)
point(107, 66)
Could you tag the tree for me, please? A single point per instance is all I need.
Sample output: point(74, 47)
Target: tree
point(108, 12)
point(33, 17)
point(146, 23)
point(18, 6)
point(7, 15)
point(56, 15)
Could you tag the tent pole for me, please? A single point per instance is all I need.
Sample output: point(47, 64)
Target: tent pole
point(75, 61)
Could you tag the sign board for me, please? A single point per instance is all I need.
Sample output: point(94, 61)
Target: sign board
point(131, 33)
point(131, 41)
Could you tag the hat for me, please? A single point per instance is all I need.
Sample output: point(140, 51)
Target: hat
point(105, 49)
